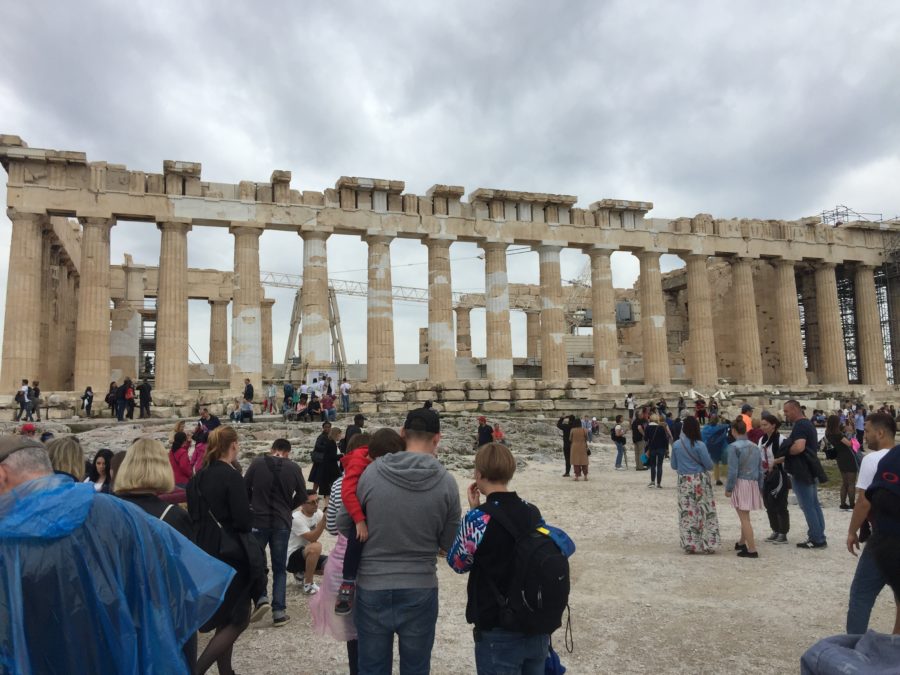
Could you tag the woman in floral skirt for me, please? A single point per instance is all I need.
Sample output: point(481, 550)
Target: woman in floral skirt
point(698, 521)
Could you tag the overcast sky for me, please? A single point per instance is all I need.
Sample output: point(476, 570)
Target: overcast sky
point(755, 109)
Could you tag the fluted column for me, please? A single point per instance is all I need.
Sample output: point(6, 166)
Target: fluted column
point(45, 362)
point(653, 321)
point(496, 301)
point(314, 301)
point(266, 341)
point(218, 332)
point(463, 331)
point(58, 336)
point(67, 369)
point(380, 366)
point(92, 336)
point(868, 329)
point(743, 305)
point(553, 321)
point(701, 356)
point(533, 333)
point(892, 272)
point(807, 287)
point(831, 334)
point(603, 312)
point(246, 320)
point(172, 308)
point(22, 323)
point(787, 323)
point(441, 346)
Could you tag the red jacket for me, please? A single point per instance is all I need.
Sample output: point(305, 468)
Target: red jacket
point(181, 465)
point(355, 462)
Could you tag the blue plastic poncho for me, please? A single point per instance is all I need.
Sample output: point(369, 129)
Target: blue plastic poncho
point(92, 584)
point(715, 436)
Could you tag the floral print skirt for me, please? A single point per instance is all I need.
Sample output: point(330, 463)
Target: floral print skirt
point(697, 517)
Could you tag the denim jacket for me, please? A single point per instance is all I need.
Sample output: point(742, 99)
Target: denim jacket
point(744, 461)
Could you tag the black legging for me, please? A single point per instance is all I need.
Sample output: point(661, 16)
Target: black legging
point(777, 510)
point(656, 465)
point(567, 455)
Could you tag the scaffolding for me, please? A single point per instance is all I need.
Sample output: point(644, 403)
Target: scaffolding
point(847, 305)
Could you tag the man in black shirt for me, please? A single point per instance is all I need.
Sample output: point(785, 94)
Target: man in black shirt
point(637, 437)
point(275, 487)
point(799, 451)
point(144, 390)
point(248, 390)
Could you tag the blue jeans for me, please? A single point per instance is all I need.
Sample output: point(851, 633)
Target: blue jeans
point(620, 453)
point(501, 652)
point(277, 541)
point(411, 613)
point(867, 584)
point(808, 499)
point(345, 402)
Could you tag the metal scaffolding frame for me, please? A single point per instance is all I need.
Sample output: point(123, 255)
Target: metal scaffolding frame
point(847, 306)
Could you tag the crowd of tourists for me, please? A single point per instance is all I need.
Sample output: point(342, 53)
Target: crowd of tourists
point(86, 541)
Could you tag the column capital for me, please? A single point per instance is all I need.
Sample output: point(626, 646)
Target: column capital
point(785, 262)
point(313, 234)
point(646, 254)
point(694, 257)
point(182, 227)
point(493, 245)
point(100, 223)
point(863, 266)
point(438, 242)
point(371, 239)
point(548, 248)
point(823, 264)
point(14, 214)
point(463, 308)
point(598, 252)
point(267, 302)
point(218, 301)
point(245, 230)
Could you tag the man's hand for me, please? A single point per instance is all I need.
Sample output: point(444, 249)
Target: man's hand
point(853, 543)
point(473, 495)
point(362, 530)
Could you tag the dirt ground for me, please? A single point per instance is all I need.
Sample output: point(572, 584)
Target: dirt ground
point(638, 604)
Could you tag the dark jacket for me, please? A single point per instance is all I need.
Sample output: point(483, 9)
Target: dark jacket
point(565, 426)
point(176, 516)
point(275, 487)
point(144, 390)
point(494, 560)
point(486, 434)
point(248, 392)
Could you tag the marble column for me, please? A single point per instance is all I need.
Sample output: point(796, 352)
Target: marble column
point(787, 324)
point(463, 331)
point(67, 369)
point(807, 283)
point(441, 346)
point(701, 357)
point(743, 306)
point(653, 321)
point(58, 336)
point(603, 313)
point(554, 365)
point(380, 367)
point(46, 364)
point(266, 314)
point(496, 301)
point(172, 308)
point(892, 272)
point(218, 333)
point(92, 366)
point(314, 301)
point(22, 322)
point(246, 329)
point(831, 334)
point(872, 371)
point(533, 333)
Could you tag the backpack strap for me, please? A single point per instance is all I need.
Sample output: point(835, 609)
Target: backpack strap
point(166, 512)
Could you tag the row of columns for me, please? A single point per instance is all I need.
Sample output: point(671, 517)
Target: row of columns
point(25, 338)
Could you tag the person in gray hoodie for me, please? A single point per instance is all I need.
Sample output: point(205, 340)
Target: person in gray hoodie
point(412, 509)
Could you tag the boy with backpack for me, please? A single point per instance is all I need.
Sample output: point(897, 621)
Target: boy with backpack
point(510, 557)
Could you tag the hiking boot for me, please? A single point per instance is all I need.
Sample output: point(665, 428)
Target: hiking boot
point(780, 539)
point(344, 603)
point(310, 589)
point(280, 619)
point(260, 608)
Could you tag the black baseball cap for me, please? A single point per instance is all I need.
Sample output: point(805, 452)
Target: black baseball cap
point(423, 419)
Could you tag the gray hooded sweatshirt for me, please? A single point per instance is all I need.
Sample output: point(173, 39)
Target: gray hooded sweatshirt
point(412, 511)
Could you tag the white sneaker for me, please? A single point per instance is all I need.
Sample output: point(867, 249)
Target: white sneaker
point(310, 589)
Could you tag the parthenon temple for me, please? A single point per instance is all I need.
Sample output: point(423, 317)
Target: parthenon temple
point(784, 321)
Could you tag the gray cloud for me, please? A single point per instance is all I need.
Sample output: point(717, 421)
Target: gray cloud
point(738, 109)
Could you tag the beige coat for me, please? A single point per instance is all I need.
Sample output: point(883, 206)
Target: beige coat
point(579, 452)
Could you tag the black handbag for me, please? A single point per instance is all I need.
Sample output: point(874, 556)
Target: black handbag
point(229, 547)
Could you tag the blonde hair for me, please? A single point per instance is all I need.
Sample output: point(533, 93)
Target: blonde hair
point(654, 418)
point(179, 426)
point(67, 456)
point(335, 434)
point(145, 467)
point(220, 439)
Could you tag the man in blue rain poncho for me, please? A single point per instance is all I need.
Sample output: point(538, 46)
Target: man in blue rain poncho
point(89, 583)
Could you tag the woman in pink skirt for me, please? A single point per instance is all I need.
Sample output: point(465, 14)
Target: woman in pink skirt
point(744, 486)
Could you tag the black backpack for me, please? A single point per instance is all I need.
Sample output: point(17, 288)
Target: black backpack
point(539, 584)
